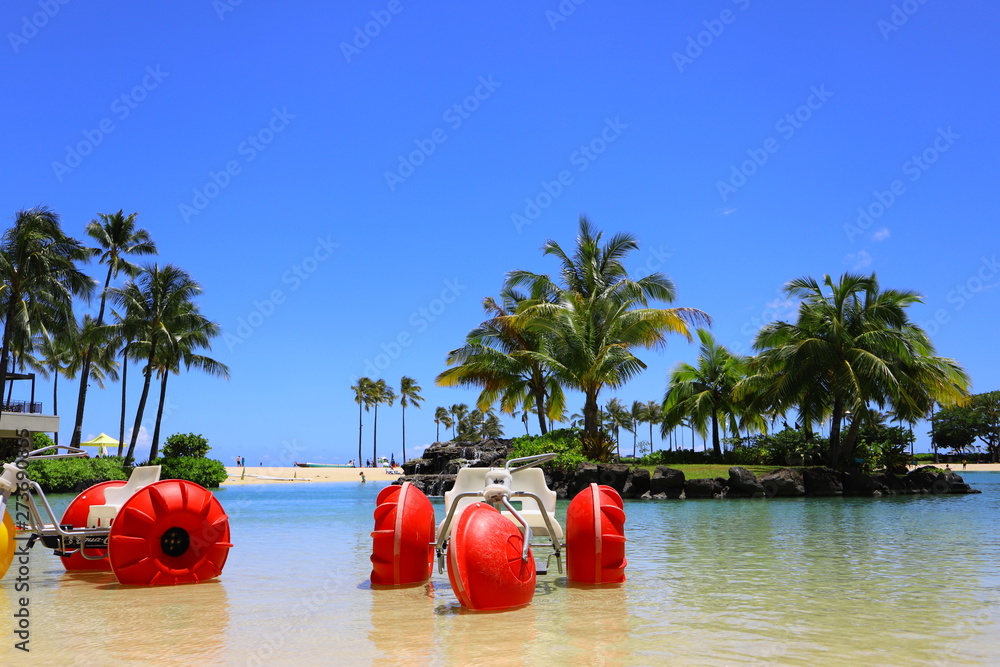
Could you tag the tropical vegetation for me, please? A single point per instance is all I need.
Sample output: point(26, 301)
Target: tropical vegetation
point(155, 317)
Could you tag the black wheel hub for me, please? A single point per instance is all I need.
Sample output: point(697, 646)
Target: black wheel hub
point(175, 542)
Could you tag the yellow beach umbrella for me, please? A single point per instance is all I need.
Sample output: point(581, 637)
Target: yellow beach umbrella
point(102, 442)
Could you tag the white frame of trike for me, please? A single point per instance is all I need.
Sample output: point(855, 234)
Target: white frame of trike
point(69, 541)
point(499, 497)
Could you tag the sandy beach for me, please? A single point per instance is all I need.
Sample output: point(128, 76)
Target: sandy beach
point(276, 475)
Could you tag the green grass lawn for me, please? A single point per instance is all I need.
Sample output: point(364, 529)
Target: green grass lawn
point(709, 471)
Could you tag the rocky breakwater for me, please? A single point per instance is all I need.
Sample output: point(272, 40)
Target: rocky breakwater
point(434, 472)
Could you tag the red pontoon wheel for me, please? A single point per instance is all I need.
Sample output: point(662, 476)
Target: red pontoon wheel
point(595, 537)
point(402, 542)
point(484, 561)
point(170, 532)
point(76, 516)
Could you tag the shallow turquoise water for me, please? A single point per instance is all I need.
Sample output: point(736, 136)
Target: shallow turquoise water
point(907, 580)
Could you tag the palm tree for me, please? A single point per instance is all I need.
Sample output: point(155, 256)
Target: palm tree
point(409, 394)
point(53, 358)
point(157, 307)
point(116, 236)
point(441, 416)
point(458, 413)
point(852, 348)
point(652, 413)
point(638, 416)
point(38, 279)
point(180, 349)
point(618, 418)
point(494, 359)
point(379, 393)
point(597, 315)
point(704, 393)
point(362, 390)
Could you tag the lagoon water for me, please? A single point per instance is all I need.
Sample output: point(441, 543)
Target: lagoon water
point(839, 581)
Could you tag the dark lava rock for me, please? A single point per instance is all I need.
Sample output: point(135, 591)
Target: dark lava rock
point(613, 474)
point(785, 483)
point(861, 484)
point(668, 481)
point(448, 457)
point(638, 483)
point(823, 482)
point(743, 484)
point(924, 479)
point(703, 488)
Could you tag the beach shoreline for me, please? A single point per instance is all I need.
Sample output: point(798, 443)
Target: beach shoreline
point(293, 474)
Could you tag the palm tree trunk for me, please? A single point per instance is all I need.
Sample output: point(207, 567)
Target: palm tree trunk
point(375, 437)
point(833, 453)
point(634, 438)
point(81, 400)
point(121, 423)
point(540, 409)
point(155, 447)
point(55, 400)
point(147, 378)
point(404, 432)
point(359, 434)
point(716, 445)
point(590, 419)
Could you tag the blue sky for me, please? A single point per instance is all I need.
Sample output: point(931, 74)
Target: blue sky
point(349, 180)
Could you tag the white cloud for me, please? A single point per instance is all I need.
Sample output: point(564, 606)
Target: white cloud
point(858, 260)
point(880, 234)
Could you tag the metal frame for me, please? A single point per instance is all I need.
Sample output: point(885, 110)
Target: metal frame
point(64, 542)
point(444, 531)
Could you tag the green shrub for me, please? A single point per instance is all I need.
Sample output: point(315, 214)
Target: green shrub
point(63, 475)
point(565, 442)
point(185, 445)
point(207, 472)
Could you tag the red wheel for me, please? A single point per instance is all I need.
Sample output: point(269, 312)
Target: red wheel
point(170, 532)
point(402, 542)
point(595, 537)
point(484, 561)
point(76, 515)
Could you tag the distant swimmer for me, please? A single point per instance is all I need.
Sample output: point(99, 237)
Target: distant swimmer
point(362, 477)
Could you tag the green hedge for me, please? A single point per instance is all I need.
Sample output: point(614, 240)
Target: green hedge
point(66, 475)
point(63, 475)
point(207, 472)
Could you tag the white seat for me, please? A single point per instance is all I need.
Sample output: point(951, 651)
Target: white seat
point(530, 480)
point(102, 516)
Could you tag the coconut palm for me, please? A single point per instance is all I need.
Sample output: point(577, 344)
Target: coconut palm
point(362, 390)
point(852, 348)
point(596, 315)
point(619, 418)
point(409, 394)
point(38, 280)
point(458, 413)
point(52, 357)
point(651, 413)
point(180, 349)
point(493, 359)
point(157, 306)
point(637, 415)
point(379, 394)
point(117, 237)
point(703, 394)
point(441, 416)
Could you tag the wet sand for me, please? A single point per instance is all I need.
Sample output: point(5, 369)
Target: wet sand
point(291, 475)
